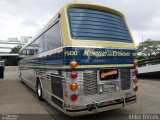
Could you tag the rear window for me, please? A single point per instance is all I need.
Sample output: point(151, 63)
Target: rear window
point(93, 24)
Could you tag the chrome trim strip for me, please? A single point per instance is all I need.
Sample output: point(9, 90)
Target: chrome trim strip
point(43, 74)
point(98, 110)
point(28, 81)
point(57, 76)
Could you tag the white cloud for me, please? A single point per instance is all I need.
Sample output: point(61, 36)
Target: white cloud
point(25, 17)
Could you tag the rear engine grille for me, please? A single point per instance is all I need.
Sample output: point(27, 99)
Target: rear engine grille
point(125, 79)
point(90, 82)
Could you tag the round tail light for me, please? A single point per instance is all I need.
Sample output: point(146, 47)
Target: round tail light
point(135, 71)
point(74, 75)
point(74, 86)
point(135, 88)
point(73, 64)
point(135, 80)
point(135, 62)
point(74, 97)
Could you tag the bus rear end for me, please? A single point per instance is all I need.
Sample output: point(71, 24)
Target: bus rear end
point(100, 57)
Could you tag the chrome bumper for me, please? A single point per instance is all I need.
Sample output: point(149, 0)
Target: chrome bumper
point(104, 106)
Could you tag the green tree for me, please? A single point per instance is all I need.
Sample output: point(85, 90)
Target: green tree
point(16, 49)
point(148, 49)
point(140, 57)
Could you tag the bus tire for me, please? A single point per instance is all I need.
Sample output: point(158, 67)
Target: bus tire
point(39, 91)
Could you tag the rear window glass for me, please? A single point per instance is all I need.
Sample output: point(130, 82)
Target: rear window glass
point(93, 24)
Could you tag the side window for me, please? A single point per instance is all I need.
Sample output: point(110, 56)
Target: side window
point(52, 37)
point(27, 51)
point(23, 53)
point(39, 44)
point(30, 49)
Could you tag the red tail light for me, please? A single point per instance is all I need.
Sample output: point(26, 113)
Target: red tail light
point(74, 75)
point(74, 97)
point(135, 88)
point(135, 71)
point(135, 80)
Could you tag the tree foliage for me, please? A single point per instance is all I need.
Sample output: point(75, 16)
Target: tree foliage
point(16, 49)
point(148, 49)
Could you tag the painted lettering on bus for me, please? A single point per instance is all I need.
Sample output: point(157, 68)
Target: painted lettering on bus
point(71, 53)
point(115, 53)
point(101, 53)
point(93, 53)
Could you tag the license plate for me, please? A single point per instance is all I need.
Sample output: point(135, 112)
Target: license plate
point(108, 74)
point(109, 88)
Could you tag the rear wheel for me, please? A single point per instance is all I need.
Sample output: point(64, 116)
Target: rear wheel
point(39, 91)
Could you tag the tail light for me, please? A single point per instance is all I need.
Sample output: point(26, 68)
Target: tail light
point(135, 88)
point(73, 64)
point(74, 97)
point(135, 71)
point(74, 75)
point(74, 86)
point(135, 80)
point(135, 62)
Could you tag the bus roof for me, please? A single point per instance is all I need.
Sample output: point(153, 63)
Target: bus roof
point(87, 5)
point(64, 9)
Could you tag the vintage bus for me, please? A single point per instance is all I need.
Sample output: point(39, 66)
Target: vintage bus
point(82, 61)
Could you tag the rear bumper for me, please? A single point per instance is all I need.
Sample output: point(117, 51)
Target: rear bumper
point(104, 106)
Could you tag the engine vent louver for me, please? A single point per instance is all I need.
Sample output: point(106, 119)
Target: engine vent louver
point(90, 82)
point(125, 79)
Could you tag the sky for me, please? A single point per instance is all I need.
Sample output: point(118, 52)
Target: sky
point(27, 17)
